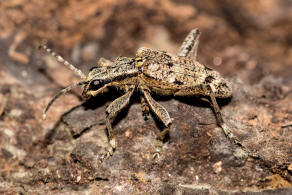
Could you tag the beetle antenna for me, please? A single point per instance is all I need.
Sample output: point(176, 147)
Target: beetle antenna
point(63, 91)
point(63, 61)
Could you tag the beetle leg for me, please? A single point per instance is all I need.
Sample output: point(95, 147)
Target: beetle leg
point(219, 117)
point(158, 109)
point(104, 62)
point(163, 115)
point(190, 45)
point(86, 93)
point(144, 108)
point(111, 112)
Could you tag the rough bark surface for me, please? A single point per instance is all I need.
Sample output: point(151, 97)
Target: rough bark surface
point(247, 42)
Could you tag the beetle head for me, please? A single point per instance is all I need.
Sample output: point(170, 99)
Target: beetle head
point(96, 80)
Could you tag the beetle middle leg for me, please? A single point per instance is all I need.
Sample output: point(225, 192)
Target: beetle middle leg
point(145, 108)
point(162, 114)
point(112, 110)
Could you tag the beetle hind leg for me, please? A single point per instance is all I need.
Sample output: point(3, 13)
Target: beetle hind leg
point(219, 117)
point(190, 45)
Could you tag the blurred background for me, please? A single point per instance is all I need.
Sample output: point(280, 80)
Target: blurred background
point(249, 42)
point(247, 38)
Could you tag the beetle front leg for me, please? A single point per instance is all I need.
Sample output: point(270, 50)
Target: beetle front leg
point(163, 115)
point(112, 110)
point(104, 62)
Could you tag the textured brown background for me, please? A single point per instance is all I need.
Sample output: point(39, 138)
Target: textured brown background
point(249, 42)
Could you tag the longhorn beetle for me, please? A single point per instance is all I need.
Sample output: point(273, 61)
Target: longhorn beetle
point(152, 71)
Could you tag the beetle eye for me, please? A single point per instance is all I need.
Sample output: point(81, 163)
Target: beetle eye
point(96, 84)
point(92, 68)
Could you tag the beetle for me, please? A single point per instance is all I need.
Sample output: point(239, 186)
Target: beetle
point(152, 71)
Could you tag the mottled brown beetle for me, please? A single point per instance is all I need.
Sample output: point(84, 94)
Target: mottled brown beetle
point(153, 71)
